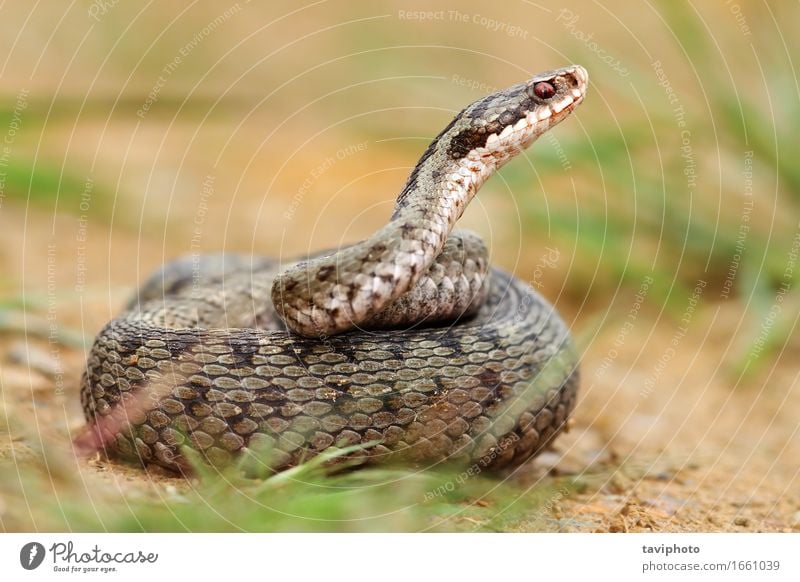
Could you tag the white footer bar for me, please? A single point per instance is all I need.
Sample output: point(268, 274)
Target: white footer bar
point(400, 557)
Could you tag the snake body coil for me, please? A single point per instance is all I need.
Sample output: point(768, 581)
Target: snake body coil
point(443, 357)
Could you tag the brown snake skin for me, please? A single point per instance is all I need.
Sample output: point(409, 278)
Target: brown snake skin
point(406, 343)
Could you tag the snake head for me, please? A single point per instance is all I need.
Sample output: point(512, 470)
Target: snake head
point(506, 122)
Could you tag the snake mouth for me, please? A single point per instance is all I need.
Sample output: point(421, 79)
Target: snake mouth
point(580, 74)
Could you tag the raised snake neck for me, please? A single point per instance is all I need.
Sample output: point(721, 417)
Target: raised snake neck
point(203, 356)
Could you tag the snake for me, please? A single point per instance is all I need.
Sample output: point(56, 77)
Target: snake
point(405, 347)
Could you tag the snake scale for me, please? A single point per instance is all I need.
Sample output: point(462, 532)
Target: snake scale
point(407, 343)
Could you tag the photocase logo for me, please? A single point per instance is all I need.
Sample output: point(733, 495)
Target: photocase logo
point(31, 555)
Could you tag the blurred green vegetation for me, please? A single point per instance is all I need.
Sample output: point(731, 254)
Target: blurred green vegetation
point(307, 498)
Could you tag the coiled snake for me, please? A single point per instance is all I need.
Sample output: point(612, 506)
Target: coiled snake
point(406, 342)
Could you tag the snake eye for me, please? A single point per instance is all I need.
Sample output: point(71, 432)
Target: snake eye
point(544, 90)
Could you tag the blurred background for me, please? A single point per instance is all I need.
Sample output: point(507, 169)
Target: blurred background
point(661, 219)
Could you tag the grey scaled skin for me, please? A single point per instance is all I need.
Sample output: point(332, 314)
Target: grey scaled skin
point(407, 343)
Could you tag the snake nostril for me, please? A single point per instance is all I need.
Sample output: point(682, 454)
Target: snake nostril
point(578, 77)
